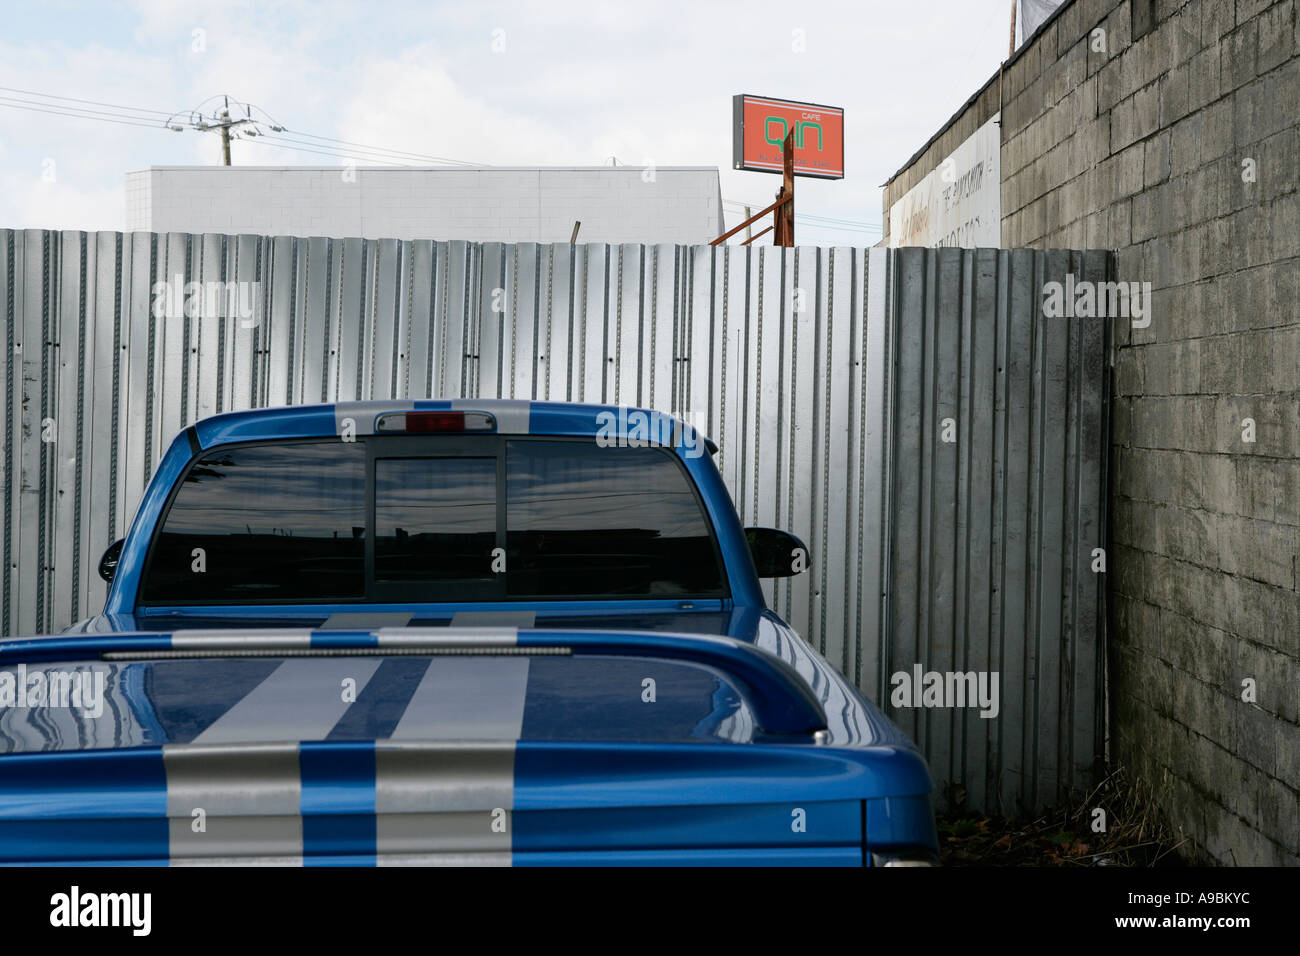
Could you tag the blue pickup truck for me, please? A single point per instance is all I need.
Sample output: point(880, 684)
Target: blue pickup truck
point(481, 632)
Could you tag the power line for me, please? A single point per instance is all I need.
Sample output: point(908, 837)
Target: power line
point(350, 155)
point(842, 222)
point(391, 152)
point(358, 149)
point(73, 99)
point(276, 143)
point(245, 128)
point(842, 219)
point(100, 118)
point(860, 225)
point(814, 225)
point(248, 127)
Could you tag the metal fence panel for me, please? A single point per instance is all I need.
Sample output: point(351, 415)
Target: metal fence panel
point(831, 378)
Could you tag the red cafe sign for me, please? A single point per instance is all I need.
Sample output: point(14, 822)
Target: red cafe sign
point(760, 125)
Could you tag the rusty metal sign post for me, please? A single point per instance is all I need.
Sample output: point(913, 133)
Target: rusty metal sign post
point(785, 214)
point(782, 210)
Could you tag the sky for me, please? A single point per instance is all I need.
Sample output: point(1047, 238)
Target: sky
point(551, 83)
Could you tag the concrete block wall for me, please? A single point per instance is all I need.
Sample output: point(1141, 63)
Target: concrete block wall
point(492, 204)
point(1174, 139)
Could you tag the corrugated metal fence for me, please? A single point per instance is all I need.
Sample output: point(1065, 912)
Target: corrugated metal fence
point(826, 376)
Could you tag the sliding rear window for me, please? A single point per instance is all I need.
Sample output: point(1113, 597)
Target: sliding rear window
point(435, 519)
point(416, 519)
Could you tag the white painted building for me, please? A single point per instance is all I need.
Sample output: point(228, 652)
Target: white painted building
point(678, 204)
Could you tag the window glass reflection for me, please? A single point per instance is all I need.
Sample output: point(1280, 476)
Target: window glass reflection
point(435, 519)
point(265, 522)
point(586, 520)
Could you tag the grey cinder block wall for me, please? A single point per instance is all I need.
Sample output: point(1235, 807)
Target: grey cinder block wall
point(1173, 137)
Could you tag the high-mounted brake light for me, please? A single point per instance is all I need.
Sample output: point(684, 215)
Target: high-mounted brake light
point(411, 422)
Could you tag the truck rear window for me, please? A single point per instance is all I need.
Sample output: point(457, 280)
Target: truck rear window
point(623, 521)
point(432, 520)
point(268, 521)
point(435, 518)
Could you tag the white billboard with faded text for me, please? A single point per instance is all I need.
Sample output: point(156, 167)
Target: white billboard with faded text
point(959, 202)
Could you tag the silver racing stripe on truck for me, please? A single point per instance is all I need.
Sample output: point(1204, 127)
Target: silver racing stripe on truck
point(505, 858)
point(199, 639)
point(462, 698)
point(446, 803)
point(239, 802)
point(514, 619)
point(444, 798)
point(302, 699)
point(365, 620)
point(406, 859)
point(447, 636)
point(443, 783)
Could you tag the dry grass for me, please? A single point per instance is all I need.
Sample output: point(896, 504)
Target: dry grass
point(1135, 835)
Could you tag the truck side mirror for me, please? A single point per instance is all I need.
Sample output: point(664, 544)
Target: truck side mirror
point(108, 563)
point(776, 554)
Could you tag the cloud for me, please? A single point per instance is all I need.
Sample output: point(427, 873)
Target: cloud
point(61, 205)
point(412, 103)
point(574, 84)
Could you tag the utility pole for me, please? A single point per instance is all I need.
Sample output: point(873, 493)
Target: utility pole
point(225, 136)
point(229, 128)
point(224, 123)
point(1011, 51)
